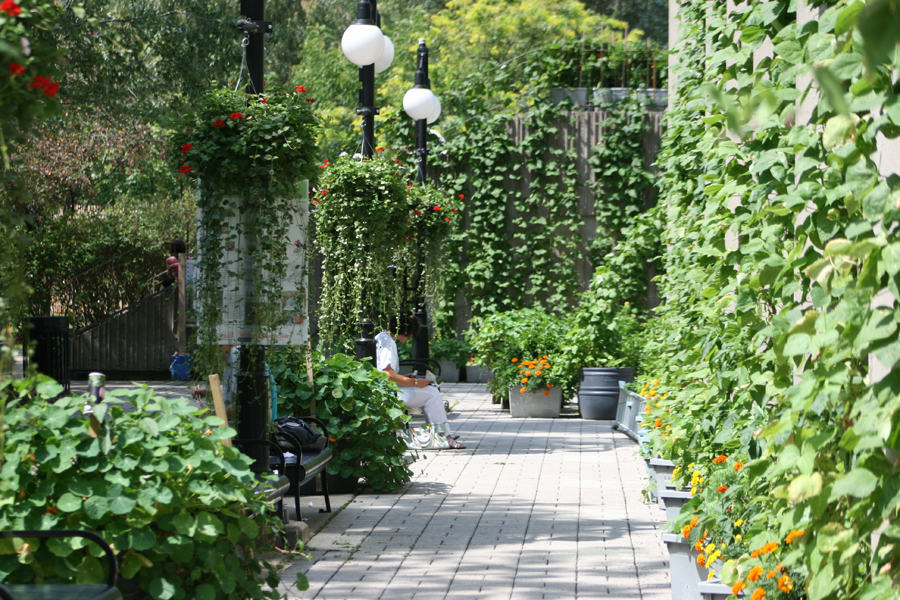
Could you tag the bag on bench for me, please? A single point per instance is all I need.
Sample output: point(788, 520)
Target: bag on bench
point(309, 438)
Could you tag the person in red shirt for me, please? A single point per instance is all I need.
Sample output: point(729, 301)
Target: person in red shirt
point(175, 248)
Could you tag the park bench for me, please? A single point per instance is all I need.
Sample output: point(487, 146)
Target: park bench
point(309, 464)
point(64, 591)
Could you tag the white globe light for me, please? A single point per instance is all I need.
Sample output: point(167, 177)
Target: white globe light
point(387, 57)
point(362, 44)
point(419, 103)
point(436, 113)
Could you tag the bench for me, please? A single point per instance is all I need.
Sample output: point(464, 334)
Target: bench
point(309, 464)
point(274, 491)
point(64, 591)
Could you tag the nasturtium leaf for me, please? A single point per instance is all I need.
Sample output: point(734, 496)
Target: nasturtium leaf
point(797, 345)
point(131, 564)
point(90, 571)
point(185, 524)
point(204, 591)
point(96, 507)
point(804, 487)
point(121, 505)
point(143, 539)
point(69, 502)
point(161, 589)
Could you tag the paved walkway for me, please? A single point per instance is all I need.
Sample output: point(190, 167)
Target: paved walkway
point(534, 508)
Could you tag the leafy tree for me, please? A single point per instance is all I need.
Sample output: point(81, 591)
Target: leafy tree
point(650, 16)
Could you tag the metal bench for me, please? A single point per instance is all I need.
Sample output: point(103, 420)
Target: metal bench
point(308, 465)
point(276, 490)
point(64, 591)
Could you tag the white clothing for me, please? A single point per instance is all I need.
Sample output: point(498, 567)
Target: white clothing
point(427, 398)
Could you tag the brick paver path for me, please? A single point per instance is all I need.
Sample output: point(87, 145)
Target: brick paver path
point(534, 508)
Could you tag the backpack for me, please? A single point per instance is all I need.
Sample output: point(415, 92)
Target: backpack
point(309, 438)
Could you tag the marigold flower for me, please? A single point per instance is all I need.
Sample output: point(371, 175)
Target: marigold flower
point(722, 489)
point(758, 594)
point(546, 393)
point(528, 373)
point(524, 380)
point(15, 69)
point(515, 360)
point(686, 531)
point(701, 560)
point(219, 123)
point(694, 521)
point(754, 574)
point(10, 8)
point(794, 535)
point(736, 588)
point(709, 548)
point(186, 148)
point(756, 553)
point(739, 522)
point(784, 584)
point(720, 459)
point(538, 373)
point(522, 390)
point(545, 356)
point(738, 466)
point(235, 116)
point(647, 410)
point(772, 574)
point(549, 385)
point(658, 422)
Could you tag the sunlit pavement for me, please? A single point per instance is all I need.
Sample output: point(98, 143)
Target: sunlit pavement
point(533, 508)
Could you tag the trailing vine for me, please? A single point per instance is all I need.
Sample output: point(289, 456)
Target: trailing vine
point(781, 293)
point(249, 155)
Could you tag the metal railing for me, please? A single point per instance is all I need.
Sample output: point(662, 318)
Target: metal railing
point(629, 413)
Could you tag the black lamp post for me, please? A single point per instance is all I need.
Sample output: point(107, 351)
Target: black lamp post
point(252, 382)
point(367, 47)
point(420, 351)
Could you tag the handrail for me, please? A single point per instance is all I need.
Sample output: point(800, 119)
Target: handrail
point(65, 533)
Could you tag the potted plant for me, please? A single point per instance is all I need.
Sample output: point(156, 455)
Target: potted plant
point(360, 408)
point(534, 389)
point(451, 353)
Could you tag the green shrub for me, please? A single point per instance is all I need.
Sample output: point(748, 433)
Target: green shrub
point(359, 406)
point(448, 348)
point(157, 484)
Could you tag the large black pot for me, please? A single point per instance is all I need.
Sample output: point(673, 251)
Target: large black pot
point(598, 394)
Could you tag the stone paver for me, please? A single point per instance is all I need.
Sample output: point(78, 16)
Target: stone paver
point(533, 509)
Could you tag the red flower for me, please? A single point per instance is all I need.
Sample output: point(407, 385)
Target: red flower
point(447, 219)
point(299, 89)
point(186, 148)
point(185, 169)
point(310, 99)
point(462, 196)
point(263, 100)
point(52, 510)
point(408, 223)
point(379, 150)
point(417, 213)
point(236, 116)
point(315, 201)
point(454, 210)
point(49, 87)
point(406, 238)
point(437, 208)
point(15, 69)
point(722, 489)
point(10, 7)
point(219, 123)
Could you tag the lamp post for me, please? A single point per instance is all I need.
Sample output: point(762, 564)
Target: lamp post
point(423, 106)
point(367, 47)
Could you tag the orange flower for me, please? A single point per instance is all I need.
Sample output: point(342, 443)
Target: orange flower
point(772, 574)
point(738, 466)
point(659, 422)
point(686, 531)
point(522, 390)
point(694, 521)
point(758, 594)
point(528, 373)
point(698, 545)
point(794, 535)
point(754, 574)
point(538, 373)
point(648, 409)
point(545, 356)
point(722, 489)
point(738, 587)
point(515, 360)
point(784, 584)
point(524, 380)
point(701, 560)
point(550, 385)
point(756, 553)
point(546, 393)
point(720, 459)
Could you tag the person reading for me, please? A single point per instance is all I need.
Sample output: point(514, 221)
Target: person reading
point(415, 393)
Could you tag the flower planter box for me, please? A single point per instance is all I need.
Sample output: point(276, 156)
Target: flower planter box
point(662, 470)
point(478, 374)
point(535, 404)
point(578, 96)
point(684, 572)
point(449, 371)
point(713, 590)
point(673, 501)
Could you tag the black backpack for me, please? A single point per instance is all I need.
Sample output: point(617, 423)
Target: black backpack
point(309, 438)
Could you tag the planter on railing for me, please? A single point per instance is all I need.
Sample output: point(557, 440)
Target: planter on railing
point(630, 407)
point(673, 501)
point(684, 572)
point(662, 472)
point(714, 590)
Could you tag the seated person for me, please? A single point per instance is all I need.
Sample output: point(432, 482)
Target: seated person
point(415, 393)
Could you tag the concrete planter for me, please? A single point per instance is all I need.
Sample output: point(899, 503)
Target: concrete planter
point(449, 371)
point(673, 501)
point(713, 590)
point(662, 470)
point(535, 404)
point(478, 374)
point(578, 96)
point(684, 572)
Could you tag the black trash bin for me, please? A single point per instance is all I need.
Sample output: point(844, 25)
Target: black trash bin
point(50, 336)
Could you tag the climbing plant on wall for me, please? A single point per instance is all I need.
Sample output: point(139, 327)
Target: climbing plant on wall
point(781, 291)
